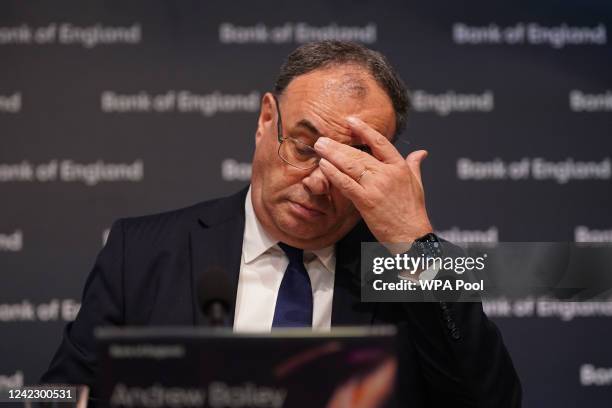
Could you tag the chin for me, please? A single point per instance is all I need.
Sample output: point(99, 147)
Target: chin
point(311, 235)
point(318, 232)
point(300, 230)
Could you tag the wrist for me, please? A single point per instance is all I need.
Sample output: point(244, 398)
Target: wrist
point(403, 242)
point(412, 234)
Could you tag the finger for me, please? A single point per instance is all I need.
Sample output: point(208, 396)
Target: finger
point(381, 147)
point(414, 161)
point(347, 159)
point(344, 183)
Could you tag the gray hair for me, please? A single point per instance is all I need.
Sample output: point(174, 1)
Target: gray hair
point(323, 54)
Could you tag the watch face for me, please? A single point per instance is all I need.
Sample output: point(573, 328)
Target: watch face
point(431, 237)
point(428, 245)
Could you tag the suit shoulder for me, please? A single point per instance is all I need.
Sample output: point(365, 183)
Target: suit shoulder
point(165, 223)
point(173, 224)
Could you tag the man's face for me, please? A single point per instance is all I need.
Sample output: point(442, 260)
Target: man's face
point(301, 207)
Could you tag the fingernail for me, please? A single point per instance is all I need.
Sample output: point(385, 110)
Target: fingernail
point(353, 120)
point(323, 163)
point(322, 143)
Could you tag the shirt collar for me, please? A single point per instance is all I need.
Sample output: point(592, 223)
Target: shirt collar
point(257, 241)
point(327, 256)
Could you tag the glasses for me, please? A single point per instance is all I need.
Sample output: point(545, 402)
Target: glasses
point(296, 153)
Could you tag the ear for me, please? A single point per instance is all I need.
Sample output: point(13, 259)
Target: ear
point(267, 117)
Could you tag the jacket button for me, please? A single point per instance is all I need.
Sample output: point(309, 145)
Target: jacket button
point(455, 334)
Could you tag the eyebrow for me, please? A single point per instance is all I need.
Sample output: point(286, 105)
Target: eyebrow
point(305, 123)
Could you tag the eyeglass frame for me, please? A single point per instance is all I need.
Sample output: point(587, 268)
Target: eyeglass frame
point(281, 138)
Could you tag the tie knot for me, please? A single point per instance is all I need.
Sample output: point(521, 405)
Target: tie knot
point(295, 255)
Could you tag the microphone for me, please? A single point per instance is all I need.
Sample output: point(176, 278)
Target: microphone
point(214, 294)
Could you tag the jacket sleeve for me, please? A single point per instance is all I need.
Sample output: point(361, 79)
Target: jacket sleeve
point(462, 357)
point(102, 304)
point(461, 353)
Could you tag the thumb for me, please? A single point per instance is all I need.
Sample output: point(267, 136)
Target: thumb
point(414, 161)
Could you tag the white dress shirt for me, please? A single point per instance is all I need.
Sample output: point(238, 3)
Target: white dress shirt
point(262, 266)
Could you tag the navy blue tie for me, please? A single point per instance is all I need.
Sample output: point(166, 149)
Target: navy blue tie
point(294, 301)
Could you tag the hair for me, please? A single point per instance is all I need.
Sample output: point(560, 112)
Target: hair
point(325, 54)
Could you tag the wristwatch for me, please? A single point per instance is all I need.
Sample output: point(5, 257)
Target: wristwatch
point(428, 245)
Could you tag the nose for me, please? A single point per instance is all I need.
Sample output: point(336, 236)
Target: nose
point(316, 182)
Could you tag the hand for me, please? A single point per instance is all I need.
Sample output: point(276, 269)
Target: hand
point(385, 188)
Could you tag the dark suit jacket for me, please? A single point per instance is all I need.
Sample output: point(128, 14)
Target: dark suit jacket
point(148, 274)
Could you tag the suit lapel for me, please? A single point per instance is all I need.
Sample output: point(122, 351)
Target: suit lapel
point(216, 246)
point(347, 308)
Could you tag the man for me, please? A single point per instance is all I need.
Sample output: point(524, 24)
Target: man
point(325, 177)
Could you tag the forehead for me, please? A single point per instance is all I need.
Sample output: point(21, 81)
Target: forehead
point(325, 97)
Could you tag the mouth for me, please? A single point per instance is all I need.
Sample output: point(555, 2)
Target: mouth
point(305, 210)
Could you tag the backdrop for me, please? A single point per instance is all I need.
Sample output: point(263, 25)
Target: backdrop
point(116, 109)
